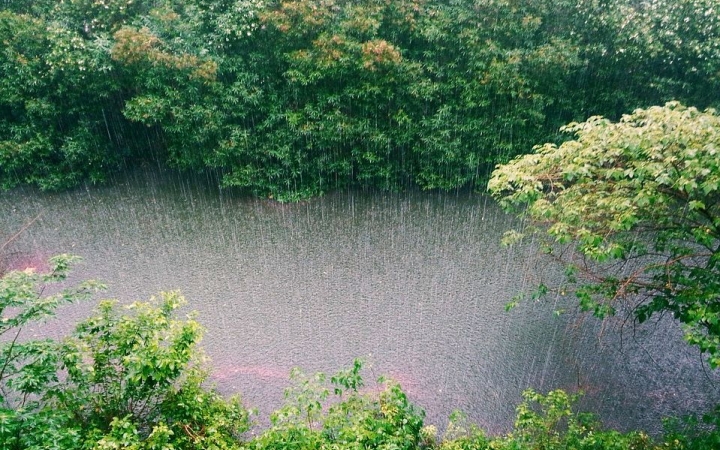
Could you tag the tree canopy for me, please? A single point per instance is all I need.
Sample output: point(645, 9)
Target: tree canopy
point(632, 208)
point(290, 99)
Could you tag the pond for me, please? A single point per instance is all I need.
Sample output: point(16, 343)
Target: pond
point(415, 283)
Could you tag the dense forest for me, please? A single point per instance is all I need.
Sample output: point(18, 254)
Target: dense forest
point(290, 99)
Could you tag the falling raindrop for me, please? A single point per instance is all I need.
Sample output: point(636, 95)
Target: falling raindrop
point(417, 280)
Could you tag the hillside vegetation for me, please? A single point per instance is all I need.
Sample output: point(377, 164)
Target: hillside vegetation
point(290, 99)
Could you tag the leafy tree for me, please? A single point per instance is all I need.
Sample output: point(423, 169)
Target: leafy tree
point(138, 373)
point(122, 380)
point(647, 52)
point(351, 419)
point(632, 209)
point(548, 422)
point(53, 134)
point(29, 368)
point(693, 432)
point(290, 99)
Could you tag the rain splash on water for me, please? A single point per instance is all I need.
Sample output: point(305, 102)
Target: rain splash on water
point(415, 283)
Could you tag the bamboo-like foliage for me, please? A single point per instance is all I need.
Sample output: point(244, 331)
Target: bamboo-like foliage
point(289, 99)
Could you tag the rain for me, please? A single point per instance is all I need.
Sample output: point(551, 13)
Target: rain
point(414, 283)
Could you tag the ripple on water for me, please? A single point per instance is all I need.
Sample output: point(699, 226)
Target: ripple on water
point(416, 280)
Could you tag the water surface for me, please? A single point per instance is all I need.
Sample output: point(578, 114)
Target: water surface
point(415, 283)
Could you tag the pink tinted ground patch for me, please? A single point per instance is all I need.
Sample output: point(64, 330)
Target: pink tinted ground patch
point(36, 261)
point(261, 372)
point(406, 381)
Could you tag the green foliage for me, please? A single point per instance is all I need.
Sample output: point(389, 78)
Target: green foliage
point(463, 435)
point(350, 420)
point(134, 379)
point(138, 371)
point(638, 200)
point(548, 422)
point(53, 134)
point(644, 53)
point(28, 367)
point(122, 380)
point(290, 99)
point(693, 432)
